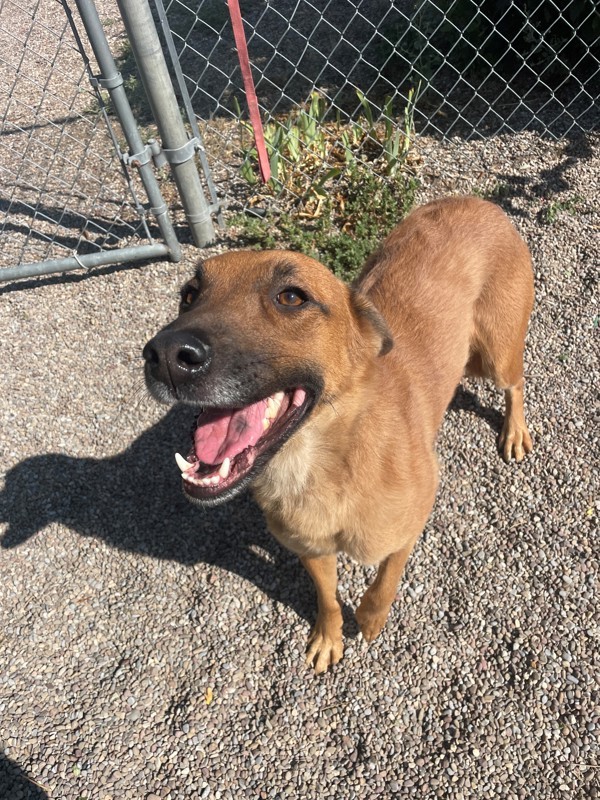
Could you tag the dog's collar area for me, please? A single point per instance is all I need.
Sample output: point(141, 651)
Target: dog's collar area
point(227, 442)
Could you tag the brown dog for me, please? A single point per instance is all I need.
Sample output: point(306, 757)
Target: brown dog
point(303, 396)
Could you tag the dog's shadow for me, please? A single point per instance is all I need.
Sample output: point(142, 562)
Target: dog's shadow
point(134, 502)
point(465, 400)
point(14, 782)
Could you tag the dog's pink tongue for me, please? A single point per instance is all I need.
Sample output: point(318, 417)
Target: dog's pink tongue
point(224, 434)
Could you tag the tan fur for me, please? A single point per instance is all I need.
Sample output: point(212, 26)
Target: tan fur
point(454, 285)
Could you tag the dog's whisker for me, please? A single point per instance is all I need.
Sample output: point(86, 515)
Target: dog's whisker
point(329, 401)
point(138, 393)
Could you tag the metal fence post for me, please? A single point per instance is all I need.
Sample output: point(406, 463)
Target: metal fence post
point(112, 81)
point(179, 149)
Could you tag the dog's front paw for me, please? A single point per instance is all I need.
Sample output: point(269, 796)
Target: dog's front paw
point(325, 646)
point(370, 618)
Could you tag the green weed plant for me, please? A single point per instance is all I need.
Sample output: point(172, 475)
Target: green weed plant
point(340, 187)
point(306, 151)
point(344, 233)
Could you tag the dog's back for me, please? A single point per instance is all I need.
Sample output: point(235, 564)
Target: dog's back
point(455, 285)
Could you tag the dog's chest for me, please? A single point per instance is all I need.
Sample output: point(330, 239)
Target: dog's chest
point(320, 524)
point(302, 496)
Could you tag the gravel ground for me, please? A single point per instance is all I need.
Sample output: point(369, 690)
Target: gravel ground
point(152, 650)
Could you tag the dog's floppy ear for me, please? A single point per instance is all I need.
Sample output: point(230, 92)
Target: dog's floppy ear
point(367, 313)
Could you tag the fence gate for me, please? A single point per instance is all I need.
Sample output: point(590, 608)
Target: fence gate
point(77, 183)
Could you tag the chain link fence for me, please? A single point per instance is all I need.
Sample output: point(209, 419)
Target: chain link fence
point(339, 82)
point(80, 187)
point(63, 189)
point(445, 68)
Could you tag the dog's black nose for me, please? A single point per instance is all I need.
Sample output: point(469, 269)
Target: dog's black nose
point(176, 357)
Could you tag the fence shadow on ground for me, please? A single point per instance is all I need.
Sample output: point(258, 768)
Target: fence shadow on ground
point(548, 182)
point(14, 783)
point(65, 228)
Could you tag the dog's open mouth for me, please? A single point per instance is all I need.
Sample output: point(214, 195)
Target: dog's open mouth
point(228, 442)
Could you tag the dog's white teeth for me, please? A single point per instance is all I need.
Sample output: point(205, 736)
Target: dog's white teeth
point(182, 463)
point(224, 469)
point(271, 411)
point(210, 480)
point(273, 406)
point(266, 424)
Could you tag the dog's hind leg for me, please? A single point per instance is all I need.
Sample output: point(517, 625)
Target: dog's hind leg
point(514, 439)
point(507, 374)
point(325, 645)
point(497, 346)
point(376, 602)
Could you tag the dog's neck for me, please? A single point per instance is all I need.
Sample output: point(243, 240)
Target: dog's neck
point(323, 444)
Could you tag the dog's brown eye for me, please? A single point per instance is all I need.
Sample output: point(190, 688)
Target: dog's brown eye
point(291, 297)
point(188, 295)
